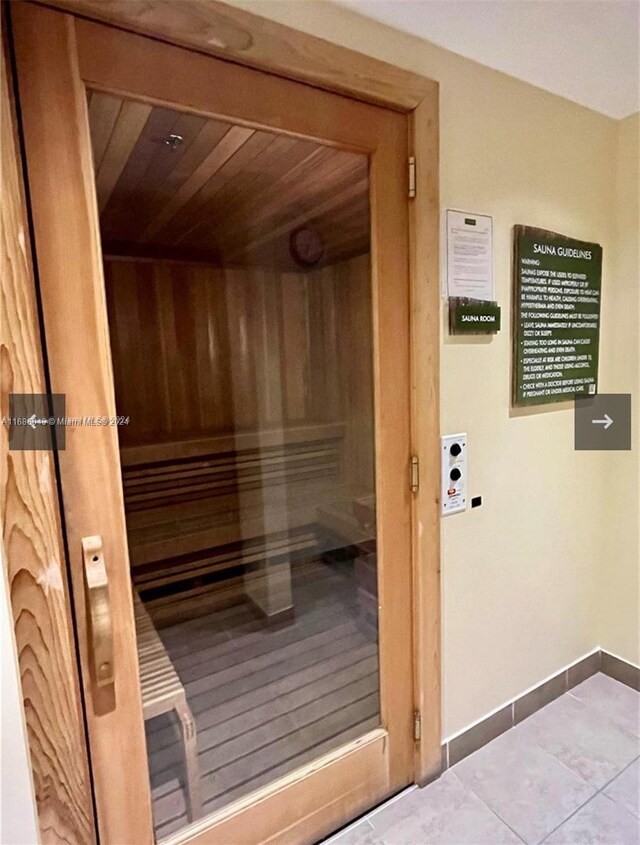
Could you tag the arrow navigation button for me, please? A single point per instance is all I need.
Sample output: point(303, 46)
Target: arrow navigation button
point(603, 422)
point(606, 422)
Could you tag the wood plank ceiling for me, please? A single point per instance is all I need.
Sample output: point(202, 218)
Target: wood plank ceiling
point(223, 194)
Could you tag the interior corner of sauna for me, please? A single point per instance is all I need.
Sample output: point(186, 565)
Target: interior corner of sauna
point(238, 289)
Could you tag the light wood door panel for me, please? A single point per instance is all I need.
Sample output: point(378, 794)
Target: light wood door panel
point(68, 250)
point(33, 550)
point(71, 57)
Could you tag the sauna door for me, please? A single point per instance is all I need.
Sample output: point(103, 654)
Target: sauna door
point(223, 265)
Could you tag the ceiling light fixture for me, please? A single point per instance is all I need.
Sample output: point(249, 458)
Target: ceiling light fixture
point(173, 141)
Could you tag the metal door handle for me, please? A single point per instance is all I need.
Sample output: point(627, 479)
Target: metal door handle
point(99, 612)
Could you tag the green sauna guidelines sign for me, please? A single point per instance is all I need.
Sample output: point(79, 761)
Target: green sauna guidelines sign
point(556, 317)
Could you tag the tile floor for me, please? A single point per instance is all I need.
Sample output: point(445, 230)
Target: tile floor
point(568, 775)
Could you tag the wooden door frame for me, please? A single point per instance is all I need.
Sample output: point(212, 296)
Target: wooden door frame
point(255, 42)
point(34, 565)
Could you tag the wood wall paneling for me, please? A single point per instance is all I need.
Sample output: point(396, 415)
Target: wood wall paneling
point(128, 127)
point(354, 315)
point(249, 393)
point(33, 550)
point(199, 351)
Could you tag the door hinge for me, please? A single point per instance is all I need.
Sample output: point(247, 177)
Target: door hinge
point(417, 726)
point(412, 176)
point(415, 473)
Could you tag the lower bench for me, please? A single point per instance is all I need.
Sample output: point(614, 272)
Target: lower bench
point(162, 692)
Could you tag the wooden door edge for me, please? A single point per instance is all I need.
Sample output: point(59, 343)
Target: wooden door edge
point(34, 559)
point(424, 233)
point(67, 249)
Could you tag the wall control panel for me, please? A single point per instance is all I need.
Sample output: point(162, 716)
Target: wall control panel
point(453, 497)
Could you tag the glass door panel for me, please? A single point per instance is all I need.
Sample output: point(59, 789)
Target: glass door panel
point(238, 286)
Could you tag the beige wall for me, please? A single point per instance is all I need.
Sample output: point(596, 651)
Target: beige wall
point(522, 575)
point(619, 590)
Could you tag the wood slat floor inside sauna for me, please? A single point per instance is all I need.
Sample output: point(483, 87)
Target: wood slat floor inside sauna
point(265, 701)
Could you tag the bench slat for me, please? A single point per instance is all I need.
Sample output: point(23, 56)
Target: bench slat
point(159, 680)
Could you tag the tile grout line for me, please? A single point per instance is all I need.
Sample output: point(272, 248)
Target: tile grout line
point(499, 817)
point(580, 807)
point(595, 710)
point(491, 810)
point(531, 745)
point(534, 744)
point(622, 771)
point(595, 795)
point(600, 713)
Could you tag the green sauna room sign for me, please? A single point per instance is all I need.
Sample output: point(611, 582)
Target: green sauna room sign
point(556, 317)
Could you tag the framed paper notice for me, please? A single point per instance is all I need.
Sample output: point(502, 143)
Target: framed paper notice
point(469, 255)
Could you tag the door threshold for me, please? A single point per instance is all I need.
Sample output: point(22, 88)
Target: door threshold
point(334, 837)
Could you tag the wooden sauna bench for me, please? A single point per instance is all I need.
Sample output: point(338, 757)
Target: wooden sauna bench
point(163, 692)
point(199, 508)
